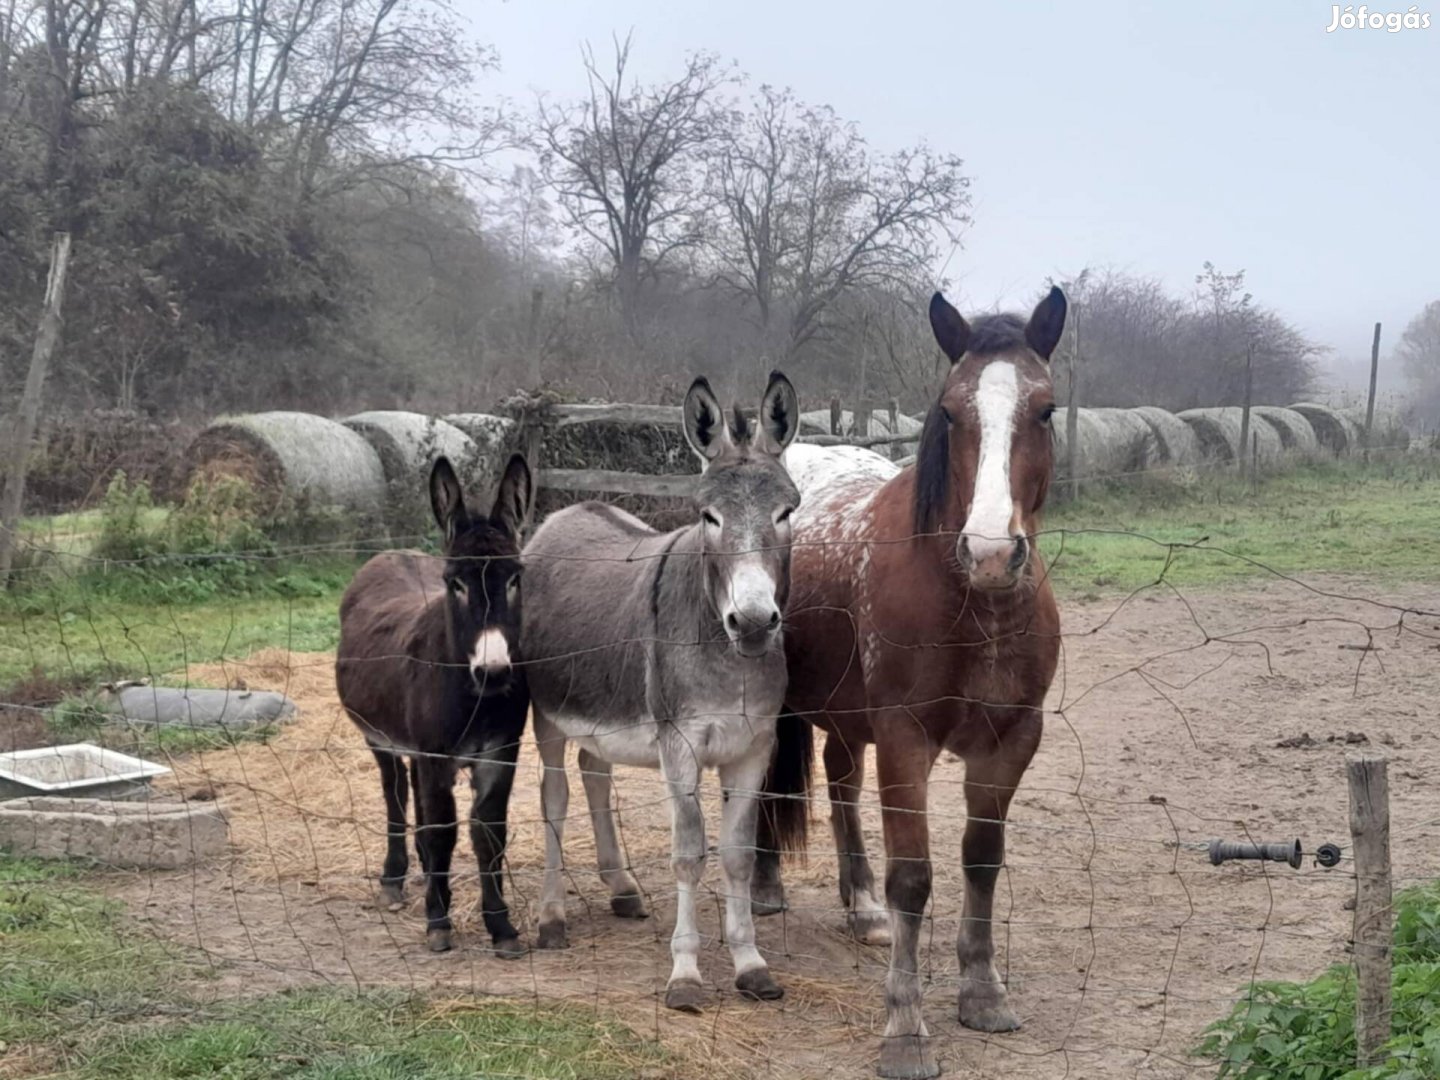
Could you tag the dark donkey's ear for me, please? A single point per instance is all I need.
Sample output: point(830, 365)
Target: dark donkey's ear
point(705, 427)
point(513, 499)
point(951, 331)
point(447, 499)
point(779, 415)
point(1046, 325)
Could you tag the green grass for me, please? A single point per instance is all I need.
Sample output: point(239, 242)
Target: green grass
point(145, 622)
point(1306, 1031)
point(88, 998)
point(1381, 521)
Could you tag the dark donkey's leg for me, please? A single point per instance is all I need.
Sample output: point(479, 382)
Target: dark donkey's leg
point(491, 777)
point(395, 781)
point(990, 782)
point(435, 837)
point(903, 757)
point(845, 771)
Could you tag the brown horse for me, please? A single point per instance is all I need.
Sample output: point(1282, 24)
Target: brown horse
point(425, 671)
point(921, 620)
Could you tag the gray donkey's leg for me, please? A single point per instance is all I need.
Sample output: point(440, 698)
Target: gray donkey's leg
point(687, 856)
point(741, 781)
point(625, 898)
point(554, 805)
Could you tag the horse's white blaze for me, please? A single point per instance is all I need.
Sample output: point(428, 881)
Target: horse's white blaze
point(987, 530)
point(751, 596)
point(491, 652)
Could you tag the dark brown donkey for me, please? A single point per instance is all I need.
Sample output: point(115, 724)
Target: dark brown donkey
point(920, 620)
point(425, 671)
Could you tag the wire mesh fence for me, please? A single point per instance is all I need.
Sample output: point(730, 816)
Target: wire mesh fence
point(1180, 714)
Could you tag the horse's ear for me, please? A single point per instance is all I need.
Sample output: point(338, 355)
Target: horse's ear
point(1046, 325)
point(705, 427)
point(447, 498)
point(779, 415)
point(515, 496)
point(951, 331)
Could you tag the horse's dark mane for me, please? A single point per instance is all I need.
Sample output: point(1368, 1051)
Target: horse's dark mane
point(990, 334)
point(932, 468)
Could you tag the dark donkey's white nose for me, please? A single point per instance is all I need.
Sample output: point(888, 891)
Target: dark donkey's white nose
point(491, 656)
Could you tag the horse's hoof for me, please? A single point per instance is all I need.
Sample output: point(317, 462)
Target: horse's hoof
point(870, 929)
point(687, 997)
point(439, 940)
point(629, 906)
point(758, 984)
point(907, 1057)
point(991, 1015)
point(510, 948)
point(552, 936)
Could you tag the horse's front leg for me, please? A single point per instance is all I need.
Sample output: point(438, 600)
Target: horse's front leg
point(687, 856)
point(554, 806)
point(903, 758)
point(741, 781)
point(491, 777)
point(990, 783)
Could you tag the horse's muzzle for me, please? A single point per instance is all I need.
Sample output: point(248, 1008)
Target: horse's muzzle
point(993, 564)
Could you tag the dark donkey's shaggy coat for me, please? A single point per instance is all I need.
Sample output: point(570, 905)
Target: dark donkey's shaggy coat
point(424, 670)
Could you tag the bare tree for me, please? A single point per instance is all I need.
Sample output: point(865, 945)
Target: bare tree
point(626, 164)
point(809, 213)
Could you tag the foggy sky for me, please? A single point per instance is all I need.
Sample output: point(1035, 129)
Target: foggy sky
point(1144, 137)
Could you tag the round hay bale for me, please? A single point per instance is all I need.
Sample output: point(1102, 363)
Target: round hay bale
point(1175, 441)
point(291, 458)
point(493, 436)
point(817, 422)
point(1335, 431)
point(1387, 428)
point(408, 444)
point(1218, 430)
point(1297, 437)
point(1113, 443)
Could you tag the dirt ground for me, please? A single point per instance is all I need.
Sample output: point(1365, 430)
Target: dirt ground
point(1119, 940)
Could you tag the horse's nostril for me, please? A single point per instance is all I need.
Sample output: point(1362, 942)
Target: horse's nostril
point(1017, 557)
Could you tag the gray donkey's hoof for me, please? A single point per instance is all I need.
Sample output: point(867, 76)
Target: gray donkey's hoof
point(758, 984)
point(552, 936)
point(907, 1057)
point(686, 997)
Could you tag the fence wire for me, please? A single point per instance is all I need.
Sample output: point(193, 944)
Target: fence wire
point(1179, 715)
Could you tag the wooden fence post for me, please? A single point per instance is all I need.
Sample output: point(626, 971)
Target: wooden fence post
point(837, 417)
point(27, 415)
point(1373, 933)
point(1370, 401)
point(1245, 412)
point(895, 448)
point(1072, 411)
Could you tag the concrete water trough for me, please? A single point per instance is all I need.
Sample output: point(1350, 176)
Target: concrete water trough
point(76, 770)
point(153, 834)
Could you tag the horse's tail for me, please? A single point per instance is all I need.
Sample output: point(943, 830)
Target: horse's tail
point(785, 805)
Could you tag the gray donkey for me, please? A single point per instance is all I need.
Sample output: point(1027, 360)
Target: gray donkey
point(665, 651)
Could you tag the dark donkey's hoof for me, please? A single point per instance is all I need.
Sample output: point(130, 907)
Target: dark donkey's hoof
point(629, 906)
point(510, 948)
point(439, 939)
point(392, 895)
point(907, 1057)
point(758, 984)
point(685, 996)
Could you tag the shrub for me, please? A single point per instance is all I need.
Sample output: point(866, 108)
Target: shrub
point(126, 534)
point(1306, 1031)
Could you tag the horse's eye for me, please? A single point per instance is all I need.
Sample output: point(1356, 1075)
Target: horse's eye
point(1046, 413)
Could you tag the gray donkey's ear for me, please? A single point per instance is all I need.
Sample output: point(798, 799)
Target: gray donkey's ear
point(705, 427)
point(779, 415)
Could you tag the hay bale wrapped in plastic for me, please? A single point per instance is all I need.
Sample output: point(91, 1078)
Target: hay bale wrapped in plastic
point(1114, 443)
point(292, 460)
point(1218, 430)
point(1335, 431)
point(1176, 445)
point(408, 444)
point(1297, 437)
